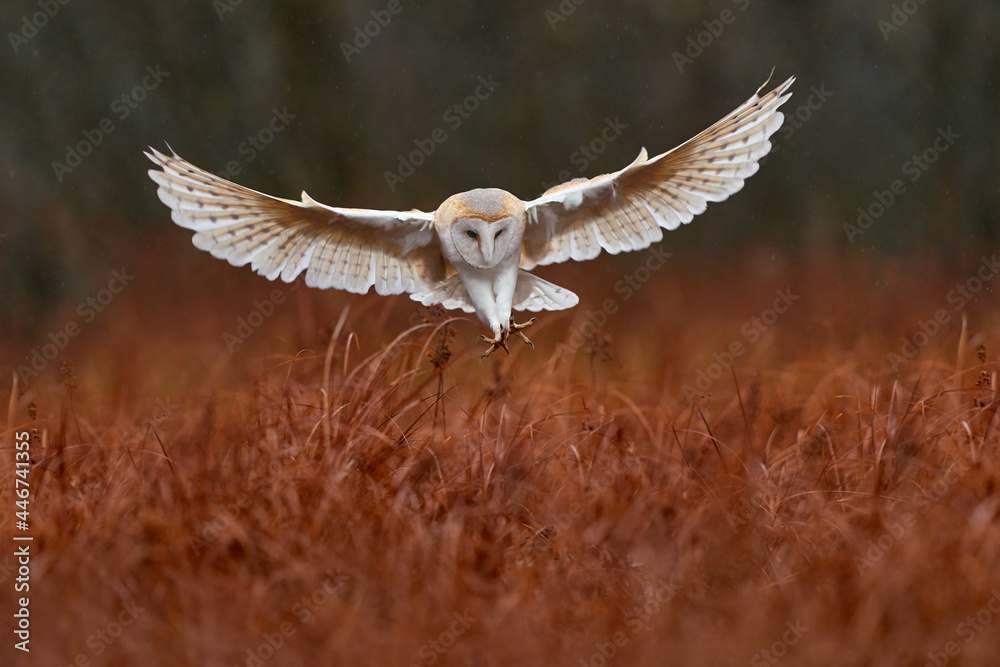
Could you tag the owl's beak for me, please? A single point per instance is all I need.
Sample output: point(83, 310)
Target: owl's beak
point(487, 247)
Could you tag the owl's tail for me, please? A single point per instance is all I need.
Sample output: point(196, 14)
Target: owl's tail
point(534, 294)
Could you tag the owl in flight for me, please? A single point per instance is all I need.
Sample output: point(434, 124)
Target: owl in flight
point(476, 250)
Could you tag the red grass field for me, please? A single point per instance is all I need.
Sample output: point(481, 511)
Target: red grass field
point(682, 485)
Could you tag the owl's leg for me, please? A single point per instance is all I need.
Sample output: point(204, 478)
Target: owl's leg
point(500, 319)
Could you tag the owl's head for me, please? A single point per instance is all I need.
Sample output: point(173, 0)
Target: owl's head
point(484, 226)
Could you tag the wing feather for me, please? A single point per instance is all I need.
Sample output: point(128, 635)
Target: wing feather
point(626, 210)
point(344, 248)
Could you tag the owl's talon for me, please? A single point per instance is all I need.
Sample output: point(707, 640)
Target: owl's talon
point(516, 328)
point(500, 342)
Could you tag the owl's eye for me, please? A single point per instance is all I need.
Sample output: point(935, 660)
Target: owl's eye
point(497, 235)
point(472, 234)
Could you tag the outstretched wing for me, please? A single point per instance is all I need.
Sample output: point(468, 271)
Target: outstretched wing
point(344, 248)
point(627, 209)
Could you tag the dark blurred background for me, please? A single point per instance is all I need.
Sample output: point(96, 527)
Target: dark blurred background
point(86, 87)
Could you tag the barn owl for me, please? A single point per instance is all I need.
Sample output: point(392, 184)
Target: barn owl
point(475, 252)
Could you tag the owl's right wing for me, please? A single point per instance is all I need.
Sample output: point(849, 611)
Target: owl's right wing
point(344, 248)
point(628, 210)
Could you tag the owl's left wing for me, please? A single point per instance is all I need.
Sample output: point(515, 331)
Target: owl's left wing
point(344, 248)
point(626, 210)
